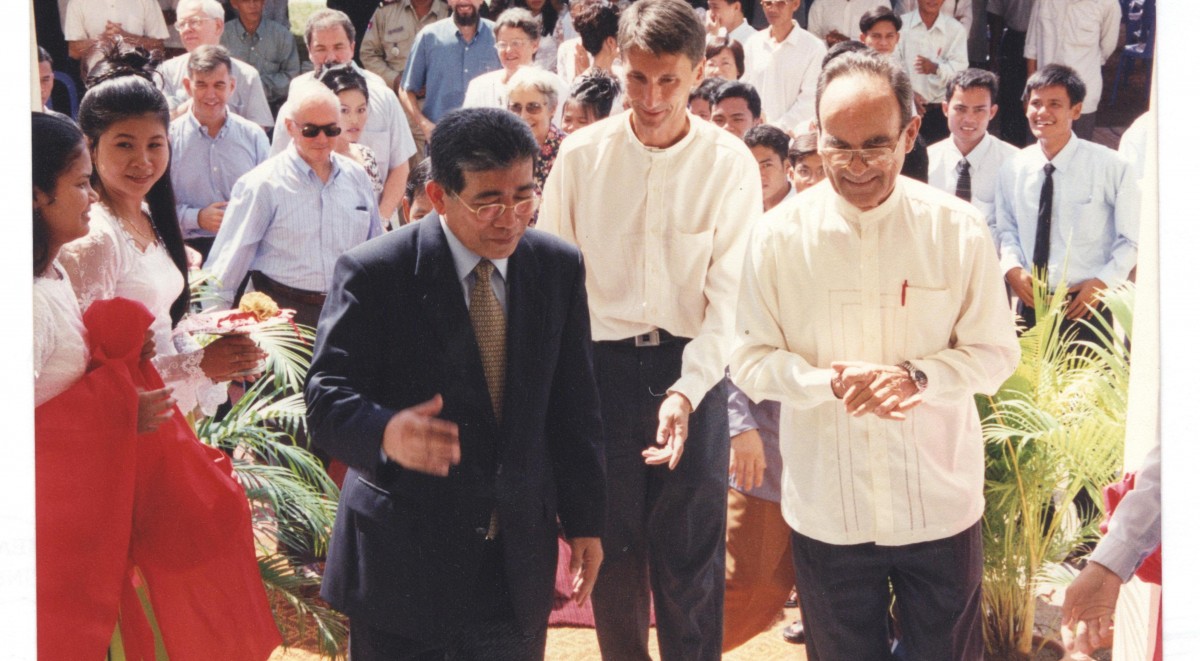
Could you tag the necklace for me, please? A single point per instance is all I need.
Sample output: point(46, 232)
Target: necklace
point(131, 227)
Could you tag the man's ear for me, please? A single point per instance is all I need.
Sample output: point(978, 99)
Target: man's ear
point(910, 133)
point(1076, 111)
point(992, 113)
point(187, 85)
point(437, 196)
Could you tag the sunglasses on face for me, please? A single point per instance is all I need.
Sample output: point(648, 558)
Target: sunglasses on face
point(311, 130)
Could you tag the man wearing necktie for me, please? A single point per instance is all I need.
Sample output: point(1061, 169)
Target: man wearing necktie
point(1066, 208)
point(453, 374)
point(966, 163)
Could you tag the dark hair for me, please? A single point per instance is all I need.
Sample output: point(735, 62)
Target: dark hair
point(881, 13)
point(869, 64)
point(803, 146)
point(705, 89)
point(207, 58)
point(771, 137)
point(714, 45)
point(974, 79)
point(476, 140)
point(56, 143)
point(595, 90)
point(417, 178)
point(323, 19)
point(662, 27)
point(736, 89)
point(843, 47)
point(595, 21)
point(548, 16)
point(117, 59)
point(343, 77)
point(44, 56)
point(1057, 74)
point(124, 92)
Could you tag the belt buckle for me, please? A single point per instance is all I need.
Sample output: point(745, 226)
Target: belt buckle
point(651, 339)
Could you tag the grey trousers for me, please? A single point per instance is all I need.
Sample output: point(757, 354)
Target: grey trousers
point(665, 529)
point(938, 585)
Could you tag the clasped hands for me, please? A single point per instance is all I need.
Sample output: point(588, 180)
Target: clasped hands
point(884, 390)
point(1085, 296)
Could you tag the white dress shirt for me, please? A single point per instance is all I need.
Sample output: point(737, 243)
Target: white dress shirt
point(86, 19)
point(1081, 34)
point(785, 75)
point(248, 98)
point(826, 16)
point(985, 160)
point(959, 10)
point(915, 278)
point(742, 32)
point(945, 44)
point(1096, 208)
point(663, 232)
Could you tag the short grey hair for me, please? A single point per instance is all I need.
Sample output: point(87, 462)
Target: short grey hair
point(210, 7)
point(869, 64)
point(662, 27)
point(323, 19)
point(207, 58)
point(537, 78)
point(520, 18)
point(305, 91)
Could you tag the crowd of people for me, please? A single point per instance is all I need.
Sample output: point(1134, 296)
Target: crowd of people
point(733, 365)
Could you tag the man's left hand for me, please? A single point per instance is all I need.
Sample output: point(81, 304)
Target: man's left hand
point(1087, 295)
point(925, 65)
point(586, 556)
point(1090, 600)
point(672, 431)
point(885, 390)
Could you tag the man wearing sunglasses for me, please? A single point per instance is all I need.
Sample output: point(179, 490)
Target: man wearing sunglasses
point(290, 218)
point(453, 374)
point(873, 309)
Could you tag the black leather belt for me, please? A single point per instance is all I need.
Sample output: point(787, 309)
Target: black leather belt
point(654, 338)
point(273, 287)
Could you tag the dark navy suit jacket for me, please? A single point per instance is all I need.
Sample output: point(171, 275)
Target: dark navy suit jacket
point(394, 332)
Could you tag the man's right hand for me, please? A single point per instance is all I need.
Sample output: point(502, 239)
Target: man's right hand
point(747, 459)
point(418, 440)
point(1021, 283)
point(210, 217)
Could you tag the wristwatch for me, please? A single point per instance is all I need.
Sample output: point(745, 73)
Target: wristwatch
point(918, 377)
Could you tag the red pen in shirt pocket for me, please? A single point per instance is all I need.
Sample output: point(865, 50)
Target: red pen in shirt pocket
point(903, 292)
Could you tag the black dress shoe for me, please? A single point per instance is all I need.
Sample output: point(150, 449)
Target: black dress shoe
point(794, 633)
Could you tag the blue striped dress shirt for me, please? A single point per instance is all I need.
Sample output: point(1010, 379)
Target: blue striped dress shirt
point(204, 169)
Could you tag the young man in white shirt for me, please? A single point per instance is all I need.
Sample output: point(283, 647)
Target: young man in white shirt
point(1065, 195)
point(933, 47)
point(782, 63)
point(966, 163)
point(837, 20)
point(660, 203)
point(871, 308)
point(1081, 34)
point(728, 15)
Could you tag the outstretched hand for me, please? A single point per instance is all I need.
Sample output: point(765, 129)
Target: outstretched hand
point(418, 440)
point(672, 431)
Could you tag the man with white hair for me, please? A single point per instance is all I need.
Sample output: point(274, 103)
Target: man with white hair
point(330, 38)
point(200, 23)
point(290, 218)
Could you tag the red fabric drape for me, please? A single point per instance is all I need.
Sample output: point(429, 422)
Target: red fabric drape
point(109, 499)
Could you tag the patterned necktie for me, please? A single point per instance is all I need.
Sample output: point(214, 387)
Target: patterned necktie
point(487, 318)
point(1041, 245)
point(962, 188)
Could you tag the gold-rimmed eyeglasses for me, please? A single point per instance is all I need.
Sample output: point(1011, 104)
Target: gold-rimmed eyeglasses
point(871, 156)
point(489, 212)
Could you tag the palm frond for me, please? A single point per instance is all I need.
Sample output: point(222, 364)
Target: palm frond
point(293, 590)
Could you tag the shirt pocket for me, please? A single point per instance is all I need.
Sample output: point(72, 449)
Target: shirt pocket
point(1082, 28)
point(928, 314)
point(687, 255)
point(1088, 213)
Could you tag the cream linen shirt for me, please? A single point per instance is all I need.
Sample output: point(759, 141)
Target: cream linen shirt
point(86, 19)
point(1081, 34)
point(914, 279)
point(826, 16)
point(785, 75)
point(663, 233)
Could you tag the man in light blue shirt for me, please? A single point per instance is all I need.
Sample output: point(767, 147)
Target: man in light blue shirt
point(265, 45)
point(290, 218)
point(1089, 234)
point(210, 148)
point(444, 58)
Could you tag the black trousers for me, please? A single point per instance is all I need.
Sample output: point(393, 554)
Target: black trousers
point(1014, 128)
point(665, 529)
point(938, 590)
point(490, 634)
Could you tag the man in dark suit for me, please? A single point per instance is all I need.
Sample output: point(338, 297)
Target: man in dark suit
point(453, 374)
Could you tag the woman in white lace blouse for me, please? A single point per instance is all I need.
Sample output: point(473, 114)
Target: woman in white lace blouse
point(134, 247)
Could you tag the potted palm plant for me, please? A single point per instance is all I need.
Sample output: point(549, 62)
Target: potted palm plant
point(1055, 428)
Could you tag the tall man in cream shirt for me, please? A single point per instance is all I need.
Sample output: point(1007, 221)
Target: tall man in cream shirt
point(872, 309)
point(661, 205)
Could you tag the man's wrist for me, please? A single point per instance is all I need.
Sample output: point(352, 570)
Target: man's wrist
point(685, 399)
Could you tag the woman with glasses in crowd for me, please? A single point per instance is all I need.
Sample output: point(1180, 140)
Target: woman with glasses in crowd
point(516, 33)
point(533, 94)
